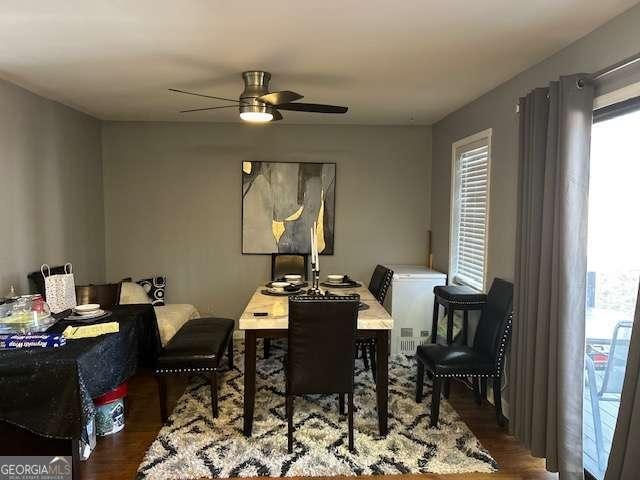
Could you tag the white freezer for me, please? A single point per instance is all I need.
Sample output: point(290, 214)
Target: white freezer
point(410, 301)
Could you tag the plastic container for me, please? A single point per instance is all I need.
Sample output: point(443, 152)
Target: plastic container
point(110, 411)
point(25, 314)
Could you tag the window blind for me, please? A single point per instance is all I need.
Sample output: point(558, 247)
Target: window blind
point(472, 175)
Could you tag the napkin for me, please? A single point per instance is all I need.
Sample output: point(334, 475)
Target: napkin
point(88, 331)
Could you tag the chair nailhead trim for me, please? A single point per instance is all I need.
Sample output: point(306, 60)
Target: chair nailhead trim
point(460, 302)
point(183, 370)
point(385, 286)
point(322, 298)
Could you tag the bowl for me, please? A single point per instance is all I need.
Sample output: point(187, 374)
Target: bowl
point(293, 278)
point(335, 278)
point(87, 308)
point(279, 286)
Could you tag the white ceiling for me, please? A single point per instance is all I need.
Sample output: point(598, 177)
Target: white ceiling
point(390, 61)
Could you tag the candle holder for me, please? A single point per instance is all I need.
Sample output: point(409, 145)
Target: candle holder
point(315, 280)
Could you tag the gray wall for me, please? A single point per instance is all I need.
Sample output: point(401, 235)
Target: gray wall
point(609, 44)
point(173, 201)
point(51, 202)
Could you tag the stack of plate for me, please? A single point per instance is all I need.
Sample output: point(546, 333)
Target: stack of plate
point(339, 281)
point(278, 288)
point(88, 311)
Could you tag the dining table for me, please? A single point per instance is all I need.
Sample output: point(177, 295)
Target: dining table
point(267, 316)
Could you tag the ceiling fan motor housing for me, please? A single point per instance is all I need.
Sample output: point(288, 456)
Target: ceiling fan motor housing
point(256, 84)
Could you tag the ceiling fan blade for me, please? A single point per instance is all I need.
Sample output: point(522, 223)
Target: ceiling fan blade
point(206, 96)
point(209, 108)
point(278, 98)
point(277, 116)
point(313, 107)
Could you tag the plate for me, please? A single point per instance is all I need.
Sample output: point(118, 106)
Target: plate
point(296, 285)
point(341, 285)
point(293, 278)
point(88, 315)
point(87, 309)
point(88, 318)
point(275, 293)
point(335, 278)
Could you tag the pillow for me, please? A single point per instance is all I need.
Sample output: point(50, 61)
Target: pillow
point(131, 293)
point(155, 289)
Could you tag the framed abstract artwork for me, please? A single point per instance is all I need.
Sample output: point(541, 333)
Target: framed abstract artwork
point(280, 203)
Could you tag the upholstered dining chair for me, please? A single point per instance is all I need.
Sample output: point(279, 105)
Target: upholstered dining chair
point(321, 351)
point(286, 264)
point(107, 295)
point(378, 286)
point(484, 360)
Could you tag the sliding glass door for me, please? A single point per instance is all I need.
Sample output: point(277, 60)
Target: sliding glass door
point(613, 272)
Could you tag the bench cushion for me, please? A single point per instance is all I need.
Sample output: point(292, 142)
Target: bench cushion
point(198, 346)
point(455, 360)
point(461, 295)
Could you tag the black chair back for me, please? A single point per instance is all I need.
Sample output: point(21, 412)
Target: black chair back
point(285, 264)
point(36, 280)
point(321, 347)
point(494, 328)
point(107, 295)
point(380, 282)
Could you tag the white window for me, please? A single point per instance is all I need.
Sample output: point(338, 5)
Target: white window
point(470, 210)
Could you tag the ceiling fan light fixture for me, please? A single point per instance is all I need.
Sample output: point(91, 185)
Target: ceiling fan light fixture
point(257, 104)
point(256, 117)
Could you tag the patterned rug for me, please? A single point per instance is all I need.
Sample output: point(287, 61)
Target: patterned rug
point(193, 445)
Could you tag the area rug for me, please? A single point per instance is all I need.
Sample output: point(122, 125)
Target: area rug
point(193, 445)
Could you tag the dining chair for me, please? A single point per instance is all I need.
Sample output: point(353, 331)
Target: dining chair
point(321, 351)
point(378, 286)
point(485, 359)
point(107, 295)
point(286, 264)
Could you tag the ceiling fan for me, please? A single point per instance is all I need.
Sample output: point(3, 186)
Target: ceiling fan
point(257, 104)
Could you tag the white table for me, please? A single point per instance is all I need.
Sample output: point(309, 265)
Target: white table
point(375, 321)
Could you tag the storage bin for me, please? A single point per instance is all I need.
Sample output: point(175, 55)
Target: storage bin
point(110, 411)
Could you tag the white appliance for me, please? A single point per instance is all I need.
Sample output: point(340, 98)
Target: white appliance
point(410, 302)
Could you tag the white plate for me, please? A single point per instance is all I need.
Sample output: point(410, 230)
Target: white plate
point(335, 278)
point(95, 313)
point(293, 278)
point(87, 308)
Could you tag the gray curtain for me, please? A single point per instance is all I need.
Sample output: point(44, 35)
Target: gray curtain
point(547, 352)
point(624, 460)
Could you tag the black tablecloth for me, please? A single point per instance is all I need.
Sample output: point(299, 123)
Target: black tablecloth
point(49, 391)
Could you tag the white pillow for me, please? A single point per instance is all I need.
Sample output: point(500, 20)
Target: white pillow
point(131, 293)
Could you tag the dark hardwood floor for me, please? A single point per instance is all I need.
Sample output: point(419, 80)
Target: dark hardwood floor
point(118, 456)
